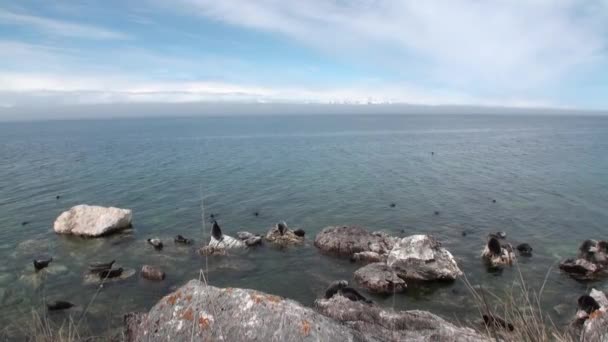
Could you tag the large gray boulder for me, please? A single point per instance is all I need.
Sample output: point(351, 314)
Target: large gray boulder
point(378, 324)
point(206, 313)
point(197, 312)
point(421, 257)
point(349, 240)
point(92, 220)
point(379, 278)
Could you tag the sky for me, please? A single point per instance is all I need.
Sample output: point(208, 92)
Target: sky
point(506, 53)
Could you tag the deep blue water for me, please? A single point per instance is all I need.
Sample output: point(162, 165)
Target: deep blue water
point(548, 175)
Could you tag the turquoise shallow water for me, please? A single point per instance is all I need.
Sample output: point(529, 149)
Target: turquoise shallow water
point(548, 175)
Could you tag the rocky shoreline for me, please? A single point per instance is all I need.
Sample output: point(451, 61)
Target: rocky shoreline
point(388, 265)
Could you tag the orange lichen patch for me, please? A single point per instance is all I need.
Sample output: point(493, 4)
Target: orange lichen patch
point(203, 323)
point(188, 314)
point(171, 299)
point(273, 299)
point(305, 328)
point(257, 298)
point(595, 314)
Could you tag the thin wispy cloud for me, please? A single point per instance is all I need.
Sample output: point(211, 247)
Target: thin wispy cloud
point(505, 44)
point(59, 27)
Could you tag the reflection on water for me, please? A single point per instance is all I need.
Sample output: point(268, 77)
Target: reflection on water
point(548, 175)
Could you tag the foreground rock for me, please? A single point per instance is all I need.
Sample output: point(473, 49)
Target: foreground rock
point(379, 278)
point(591, 262)
point(350, 240)
point(421, 258)
point(206, 313)
point(593, 314)
point(378, 324)
point(92, 221)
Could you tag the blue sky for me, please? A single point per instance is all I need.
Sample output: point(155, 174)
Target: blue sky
point(537, 53)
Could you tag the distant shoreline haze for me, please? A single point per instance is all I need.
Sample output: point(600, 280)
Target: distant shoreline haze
point(143, 110)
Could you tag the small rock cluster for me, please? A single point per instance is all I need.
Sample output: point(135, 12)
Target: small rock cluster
point(591, 263)
point(394, 261)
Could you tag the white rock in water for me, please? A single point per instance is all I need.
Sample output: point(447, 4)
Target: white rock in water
point(421, 257)
point(227, 242)
point(89, 220)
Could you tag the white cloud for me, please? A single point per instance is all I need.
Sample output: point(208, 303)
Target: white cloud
point(501, 45)
point(18, 89)
point(59, 27)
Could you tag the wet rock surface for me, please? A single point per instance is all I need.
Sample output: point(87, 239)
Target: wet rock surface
point(421, 258)
point(92, 221)
point(378, 324)
point(379, 278)
point(348, 240)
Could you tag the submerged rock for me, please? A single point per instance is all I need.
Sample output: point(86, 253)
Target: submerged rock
point(98, 278)
point(379, 278)
point(208, 313)
point(92, 221)
point(421, 257)
point(210, 250)
point(152, 273)
point(282, 235)
point(349, 240)
point(378, 324)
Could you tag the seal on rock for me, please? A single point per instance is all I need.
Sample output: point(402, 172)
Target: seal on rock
point(282, 235)
point(182, 240)
point(497, 255)
point(59, 305)
point(219, 240)
point(524, 249)
point(341, 287)
point(156, 243)
point(42, 263)
point(98, 267)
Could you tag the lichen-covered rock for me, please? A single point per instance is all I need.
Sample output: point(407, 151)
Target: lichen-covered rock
point(92, 221)
point(378, 324)
point(595, 327)
point(379, 278)
point(421, 257)
point(206, 313)
point(349, 240)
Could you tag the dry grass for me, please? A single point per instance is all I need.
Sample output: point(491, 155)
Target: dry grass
point(518, 314)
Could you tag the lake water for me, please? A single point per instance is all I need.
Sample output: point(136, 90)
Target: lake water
point(548, 175)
